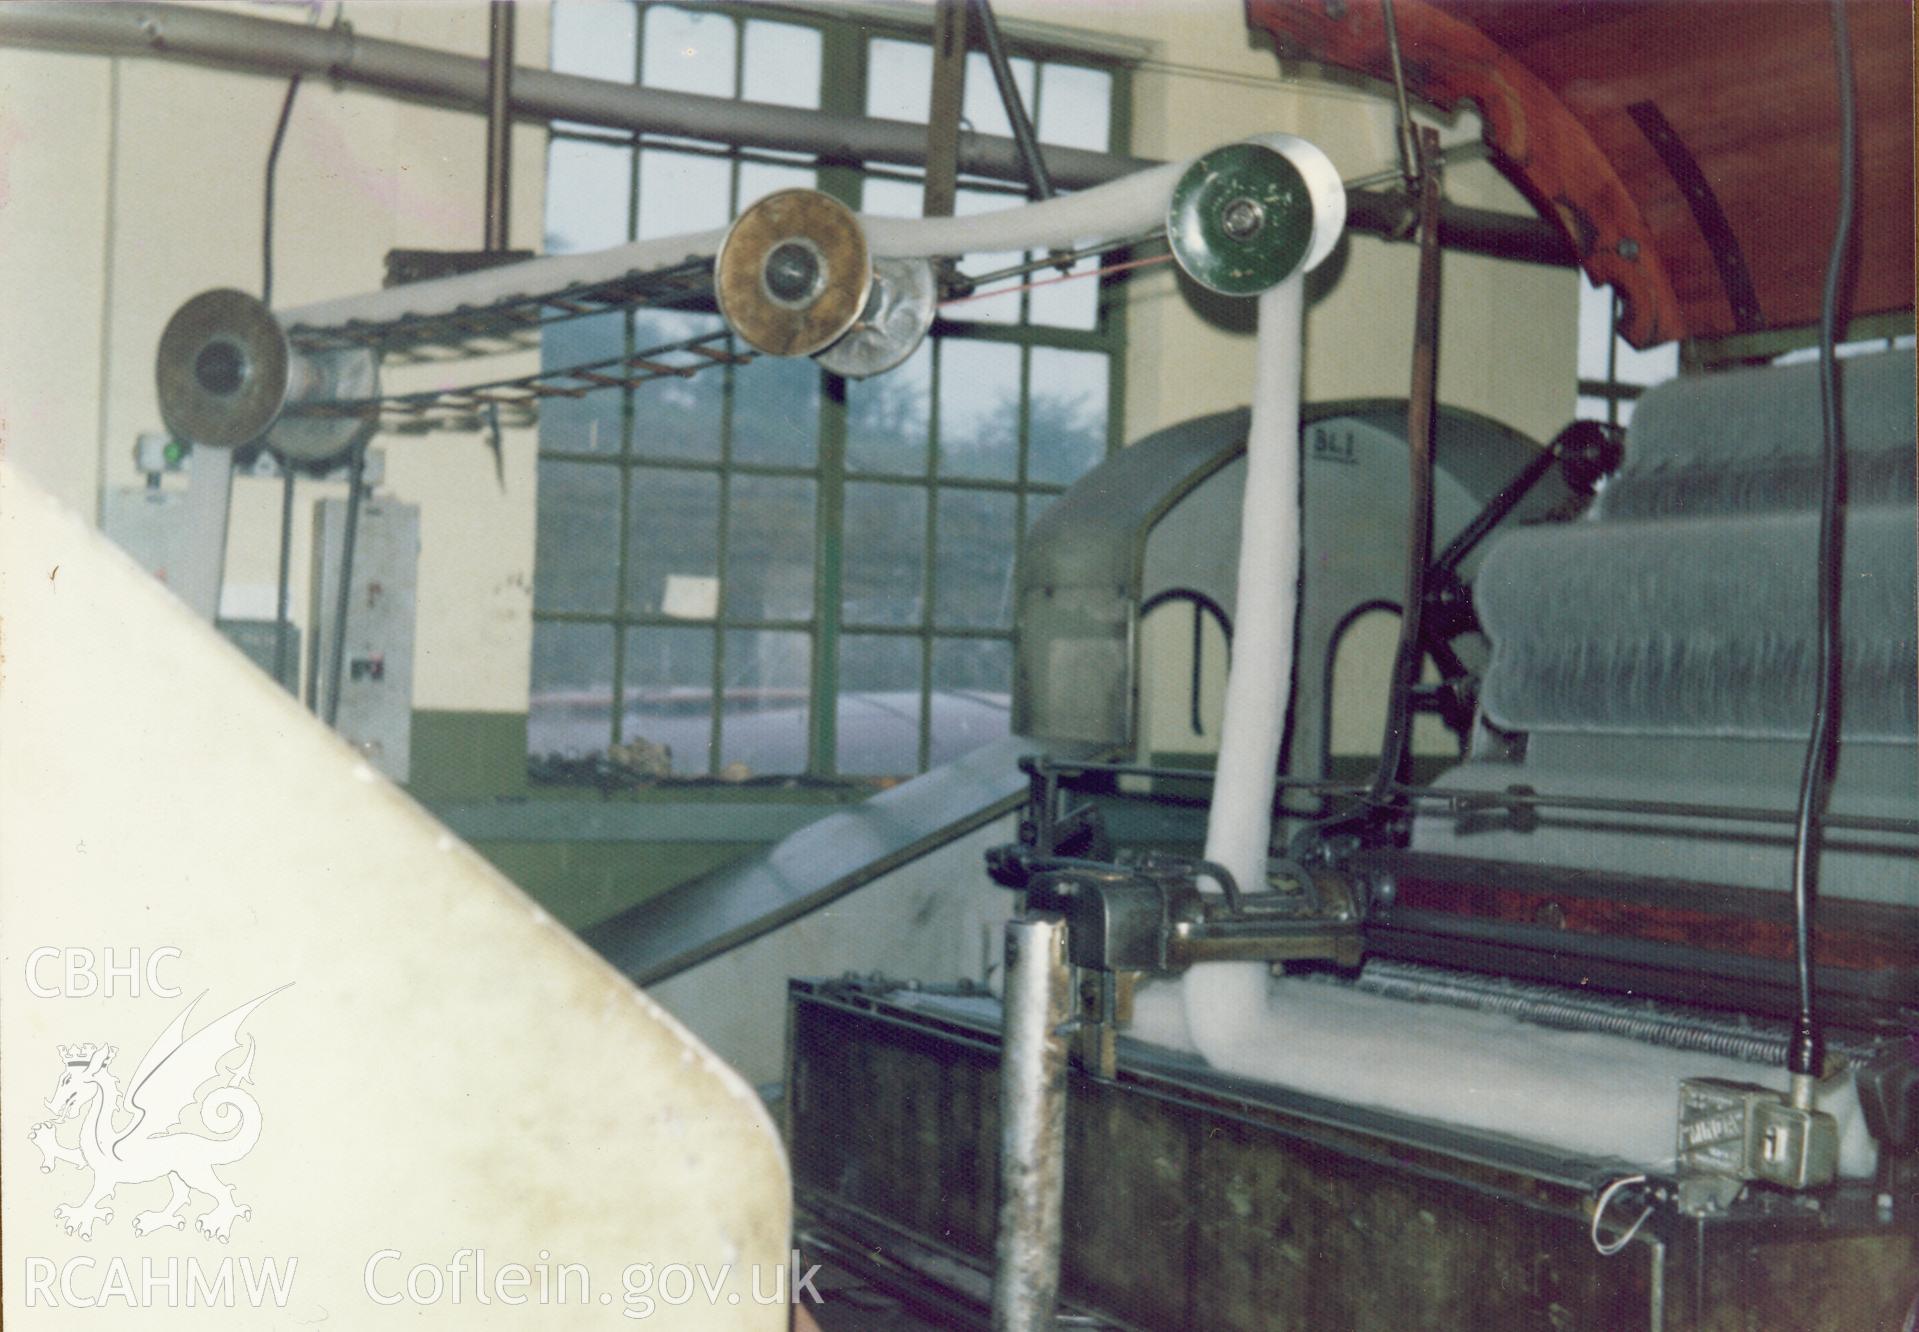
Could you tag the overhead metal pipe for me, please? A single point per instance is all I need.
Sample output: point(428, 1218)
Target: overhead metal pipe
point(242, 43)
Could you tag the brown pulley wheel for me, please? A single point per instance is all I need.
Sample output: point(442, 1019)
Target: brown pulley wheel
point(793, 274)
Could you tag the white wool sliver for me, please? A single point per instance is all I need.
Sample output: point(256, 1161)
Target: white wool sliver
point(1125, 207)
point(1226, 1000)
point(1584, 1093)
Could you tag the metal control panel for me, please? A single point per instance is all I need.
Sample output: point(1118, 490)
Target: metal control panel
point(376, 689)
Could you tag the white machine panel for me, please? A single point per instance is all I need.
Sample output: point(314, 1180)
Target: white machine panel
point(376, 691)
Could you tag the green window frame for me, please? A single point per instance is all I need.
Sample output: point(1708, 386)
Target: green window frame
point(811, 481)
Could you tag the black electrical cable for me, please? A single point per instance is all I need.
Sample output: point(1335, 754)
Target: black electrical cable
point(283, 598)
point(272, 174)
point(1806, 1053)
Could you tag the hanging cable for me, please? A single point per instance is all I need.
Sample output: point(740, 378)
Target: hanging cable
point(283, 595)
point(1806, 1054)
point(272, 174)
point(1607, 1248)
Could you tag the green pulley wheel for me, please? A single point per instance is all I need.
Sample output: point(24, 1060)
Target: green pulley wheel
point(1241, 219)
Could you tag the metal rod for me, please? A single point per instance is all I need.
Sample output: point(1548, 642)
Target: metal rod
point(1757, 1039)
point(1421, 414)
point(282, 588)
point(1032, 1110)
point(240, 42)
point(499, 122)
point(1468, 799)
point(1027, 142)
point(1072, 256)
point(1495, 510)
point(356, 477)
point(1410, 165)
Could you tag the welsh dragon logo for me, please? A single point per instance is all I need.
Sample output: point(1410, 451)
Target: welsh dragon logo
point(131, 1139)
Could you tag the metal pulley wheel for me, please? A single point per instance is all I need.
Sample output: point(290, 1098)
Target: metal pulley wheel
point(898, 314)
point(227, 375)
point(1241, 219)
point(793, 274)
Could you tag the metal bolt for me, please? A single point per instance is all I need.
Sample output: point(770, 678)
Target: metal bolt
point(1242, 219)
point(1628, 248)
point(793, 272)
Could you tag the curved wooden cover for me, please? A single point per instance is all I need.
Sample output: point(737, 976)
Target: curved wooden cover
point(1690, 148)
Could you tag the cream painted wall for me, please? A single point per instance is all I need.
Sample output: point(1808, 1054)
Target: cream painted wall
point(128, 186)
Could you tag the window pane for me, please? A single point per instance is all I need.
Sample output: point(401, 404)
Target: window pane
point(578, 536)
point(972, 695)
point(588, 191)
point(673, 417)
point(768, 675)
point(1066, 417)
point(776, 411)
point(595, 39)
point(1075, 108)
point(888, 416)
point(899, 79)
point(588, 424)
point(769, 548)
point(979, 409)
point(1070, 304)
point(1595, 328)
point(879, 705)
point(569, 710)
point(885, 561)
point(669, 694)
point(893, 198)
point(673, 543)
point(983, 107)
point(973, 576)
point(682, 192)
point(782, 64)
point(689, 52)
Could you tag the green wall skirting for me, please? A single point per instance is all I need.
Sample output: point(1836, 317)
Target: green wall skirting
point(581, 854)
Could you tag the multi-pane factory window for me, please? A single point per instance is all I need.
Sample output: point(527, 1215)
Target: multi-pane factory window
point(766, 569)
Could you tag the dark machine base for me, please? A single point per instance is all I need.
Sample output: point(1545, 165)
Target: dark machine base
point(1198, 1200)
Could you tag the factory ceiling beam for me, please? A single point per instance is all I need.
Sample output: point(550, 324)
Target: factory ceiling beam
point(241, 43)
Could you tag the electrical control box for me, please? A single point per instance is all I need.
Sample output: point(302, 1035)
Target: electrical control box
point(376, 682)
point(1737, 1131)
